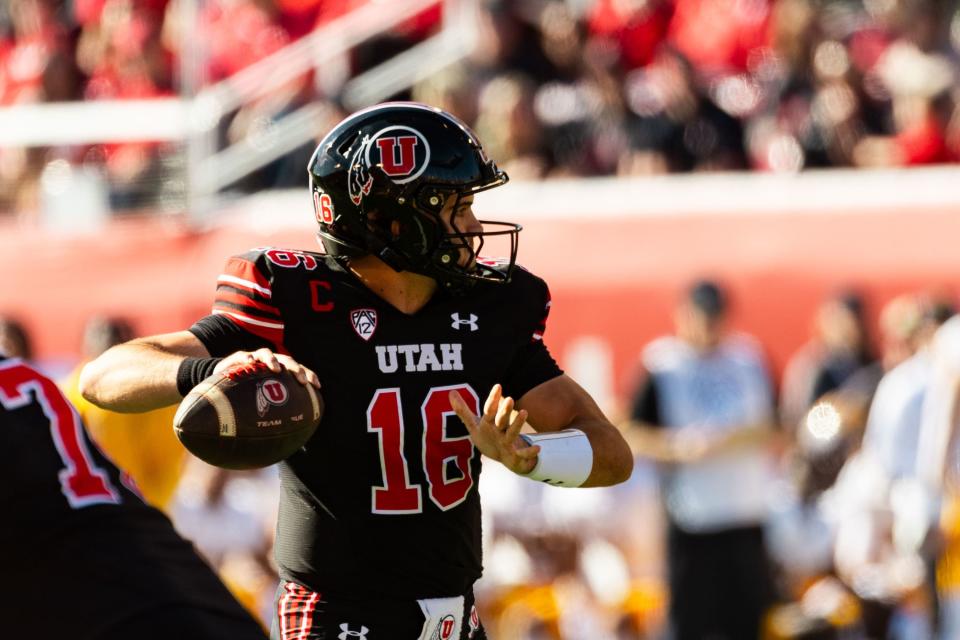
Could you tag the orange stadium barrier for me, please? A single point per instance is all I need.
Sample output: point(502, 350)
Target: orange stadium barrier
point(614, 278)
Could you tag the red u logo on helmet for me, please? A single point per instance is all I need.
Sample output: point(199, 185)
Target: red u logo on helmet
point(397, 155)
point(401, 152)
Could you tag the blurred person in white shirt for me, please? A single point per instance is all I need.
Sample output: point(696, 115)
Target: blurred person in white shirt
point(938, 470)
point(880, 548)
point(704, 410)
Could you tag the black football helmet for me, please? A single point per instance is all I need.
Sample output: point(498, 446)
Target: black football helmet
point(400, 162)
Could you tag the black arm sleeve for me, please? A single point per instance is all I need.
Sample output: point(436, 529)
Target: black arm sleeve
point(221, 336)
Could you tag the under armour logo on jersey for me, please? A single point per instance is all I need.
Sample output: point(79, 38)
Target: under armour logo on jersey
point(459, 322)
point(348, 633)
point(364, 322)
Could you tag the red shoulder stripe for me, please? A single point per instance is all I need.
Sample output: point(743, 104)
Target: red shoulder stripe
point(226, 294)
point(541, 328)
point(242, 273)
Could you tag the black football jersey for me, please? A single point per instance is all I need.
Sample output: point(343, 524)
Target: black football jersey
point(383, 500)
point(79, 549)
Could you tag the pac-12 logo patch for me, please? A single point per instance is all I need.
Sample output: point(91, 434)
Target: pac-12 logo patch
point(364, 322)
point(401, 153)
point(271, 392)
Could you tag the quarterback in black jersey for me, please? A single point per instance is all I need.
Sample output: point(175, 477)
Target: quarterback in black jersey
point(421, 347)
point(81, 555)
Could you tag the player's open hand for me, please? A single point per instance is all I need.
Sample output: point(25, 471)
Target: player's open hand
point(274, 361)
point(497, 432)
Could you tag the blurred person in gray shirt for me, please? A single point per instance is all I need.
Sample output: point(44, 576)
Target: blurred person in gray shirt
point(705, 410)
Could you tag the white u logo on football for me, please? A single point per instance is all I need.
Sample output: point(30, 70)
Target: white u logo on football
point(275, 391)
point(269, 392)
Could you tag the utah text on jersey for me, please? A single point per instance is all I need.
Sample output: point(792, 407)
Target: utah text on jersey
point(420, 357)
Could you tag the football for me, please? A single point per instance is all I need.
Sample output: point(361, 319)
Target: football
point(247, 417)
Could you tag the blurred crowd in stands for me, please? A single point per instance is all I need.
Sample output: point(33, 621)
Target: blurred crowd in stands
point(553, 87)
point(822, 505)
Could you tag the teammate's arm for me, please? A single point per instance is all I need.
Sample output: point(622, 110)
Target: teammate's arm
point(141, 375)
point(557, 404)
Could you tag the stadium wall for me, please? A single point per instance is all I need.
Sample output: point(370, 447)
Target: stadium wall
point(615, 252)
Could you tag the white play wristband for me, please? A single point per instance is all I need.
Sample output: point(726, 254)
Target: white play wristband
point(565, 459)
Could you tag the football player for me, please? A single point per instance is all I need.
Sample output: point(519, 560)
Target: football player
point(82, 556)
point(408, 328)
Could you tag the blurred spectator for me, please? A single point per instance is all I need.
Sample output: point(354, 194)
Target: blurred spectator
point(510, 41)
point(893, 425)
point(901, 322)
point(838, 348)
point(718, 37)
point(224, 512)
point(677, 122)
point(938, 465)
point(233, 33)
point(122, 53)
point(15, 340)
point(637, 27)
point(814, 507)
point(231, 518)
point(880, 550)
point(142, 444)
point(705, 410)
point(562, 88)
point(922, 106)
point(802, 528)
point(900, 329)
point(36, 39)
point(509, 129)
point(556, 565)
point(36, 65)
point(254, 123)
point(450, 90)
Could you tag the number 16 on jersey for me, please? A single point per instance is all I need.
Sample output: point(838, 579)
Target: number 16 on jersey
point(385, 418)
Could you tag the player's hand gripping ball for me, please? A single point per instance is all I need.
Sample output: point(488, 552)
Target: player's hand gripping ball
point(247, 417)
